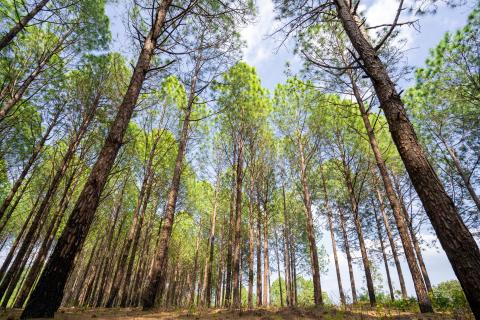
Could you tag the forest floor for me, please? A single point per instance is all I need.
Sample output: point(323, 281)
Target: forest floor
point(257, 314)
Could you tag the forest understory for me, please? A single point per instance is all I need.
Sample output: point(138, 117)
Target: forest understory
point(286, 313)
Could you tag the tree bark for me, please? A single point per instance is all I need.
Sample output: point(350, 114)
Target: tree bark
point(33, 157)
point(238, 225)
point(317, 289)
point(156, 276)
point(384, 255)
point(259, 258)
point(332, 237)
point(456, 239)
point(422, 296)
point(21, 24)
point(47, 295)
point(349, 256)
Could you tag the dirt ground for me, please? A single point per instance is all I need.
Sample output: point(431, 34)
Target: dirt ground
point(257, 314)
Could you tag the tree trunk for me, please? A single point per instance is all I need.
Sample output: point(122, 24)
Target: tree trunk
point(251, 243)
point(278, 268)
point(349, 256)
point(317, 289)
point(456, 239)
point(332, 237)
point(422, 296)
point(461, 172)
point(33, 157)
point(18, 94)
point(156, 276)
point(47, 295)
point(266, 262)
point(259, 258)
point(21, 24)
point(393, 246)
point(238, 226)
point(384, 255)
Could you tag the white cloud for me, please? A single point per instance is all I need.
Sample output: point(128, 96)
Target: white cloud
point(259, 48)
point(383, 12)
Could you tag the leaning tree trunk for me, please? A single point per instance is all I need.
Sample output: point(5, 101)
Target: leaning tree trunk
point(393, 246)
point(422, 295)
point(33, 157)
point(47, 296)
point(456, 239)
point(21, 24)
point(384, 255)
point(461, 172)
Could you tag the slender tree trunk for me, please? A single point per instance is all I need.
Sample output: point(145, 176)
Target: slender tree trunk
point(382, 247)
point(46, 244)
point(33, 157)
point(332, 237)
point(349, 256)
point(251, 244)
point(47, 295)
point(17, 95)
point(231, 235)
point(456, 239)
point(461, 172)
point(393, 246)
point(317, 289)
point(278, 268)
point(238, 226)
point(422, 296)
point(156, 276)
point(21, 24)
point(259, 259)
point(266, 262)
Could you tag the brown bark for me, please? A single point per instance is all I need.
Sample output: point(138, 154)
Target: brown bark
point(461, 172)
point(332, 237)
point(238, 226)
point(207, 287)
point(456, 239)
point(33, 157)
point(46, 244)
point(317, 289)
point(384, 255)
point(349, 256)
point(156, 276)
point(231, 235)
point(251, 243)
point(259, 258)
point(422, 296)
point(21, 24)
point(17, 95)
point(278, 268)
point(266, 261)
point(47, 295)
point(393, 246)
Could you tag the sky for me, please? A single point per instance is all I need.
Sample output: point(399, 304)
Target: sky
point(265, 53)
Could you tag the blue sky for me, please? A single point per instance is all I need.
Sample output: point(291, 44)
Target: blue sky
point(264, 53)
